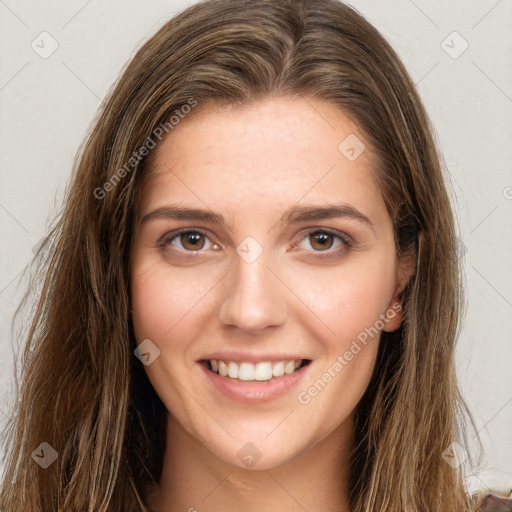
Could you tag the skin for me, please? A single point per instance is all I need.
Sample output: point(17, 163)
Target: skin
point(250, 164)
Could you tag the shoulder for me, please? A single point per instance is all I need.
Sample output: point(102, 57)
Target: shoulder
point(490, 491)
point(493, 501)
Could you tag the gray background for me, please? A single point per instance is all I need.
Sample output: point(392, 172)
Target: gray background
point(46, 105)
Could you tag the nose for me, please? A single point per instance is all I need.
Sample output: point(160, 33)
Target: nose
point(254, 297)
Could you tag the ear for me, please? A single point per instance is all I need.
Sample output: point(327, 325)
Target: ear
point(394, 314)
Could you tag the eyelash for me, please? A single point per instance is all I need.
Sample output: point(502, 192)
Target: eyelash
point(347, 243)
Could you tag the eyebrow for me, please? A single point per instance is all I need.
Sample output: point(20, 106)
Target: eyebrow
point(292, 215)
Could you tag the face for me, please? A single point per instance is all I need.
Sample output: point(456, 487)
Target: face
point(265, 251)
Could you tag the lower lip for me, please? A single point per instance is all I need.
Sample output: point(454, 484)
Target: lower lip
point(254, 392)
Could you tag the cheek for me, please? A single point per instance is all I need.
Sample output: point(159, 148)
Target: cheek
point(350, 308)
point(168, 309)
point(350, 298)
point(164, 301)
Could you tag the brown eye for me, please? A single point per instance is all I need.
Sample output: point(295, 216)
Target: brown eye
point(324, 244)
point(321, 240)
point(187, 241)
point(192, 240)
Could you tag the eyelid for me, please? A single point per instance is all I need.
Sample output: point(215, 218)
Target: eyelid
point(171, 235)
point(347, 241)
point(334, 232)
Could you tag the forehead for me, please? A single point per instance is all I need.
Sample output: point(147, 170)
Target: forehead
point(270, 153)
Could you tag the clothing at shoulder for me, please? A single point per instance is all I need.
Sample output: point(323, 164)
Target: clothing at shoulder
point(491, 490)
point(494, 501)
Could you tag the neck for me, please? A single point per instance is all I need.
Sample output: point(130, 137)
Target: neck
point(194, 479)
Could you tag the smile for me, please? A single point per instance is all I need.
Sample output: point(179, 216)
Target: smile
point(254, 383)
point(261, 371)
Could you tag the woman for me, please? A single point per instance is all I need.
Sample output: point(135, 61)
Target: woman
point(252, 297)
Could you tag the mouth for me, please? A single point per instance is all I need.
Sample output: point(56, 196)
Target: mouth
point(254, 382)
point(263, 371)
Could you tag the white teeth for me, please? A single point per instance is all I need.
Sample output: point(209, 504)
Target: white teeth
point(223, 368)
point(278, 369)
point(289, 367)
point(262, 371)
point(246, 371)
point(233, 370)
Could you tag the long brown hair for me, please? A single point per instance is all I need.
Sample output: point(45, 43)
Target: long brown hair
point(85, 393)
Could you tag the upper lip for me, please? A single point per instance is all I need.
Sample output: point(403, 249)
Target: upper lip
point(238, 357)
